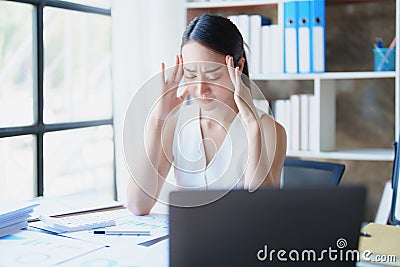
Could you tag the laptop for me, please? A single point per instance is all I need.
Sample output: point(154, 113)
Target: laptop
point(288, 227)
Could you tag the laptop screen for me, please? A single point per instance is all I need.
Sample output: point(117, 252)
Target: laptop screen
point(289, 227)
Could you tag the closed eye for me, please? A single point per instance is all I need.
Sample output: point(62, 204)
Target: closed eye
point(190, 76)
point(214, 78)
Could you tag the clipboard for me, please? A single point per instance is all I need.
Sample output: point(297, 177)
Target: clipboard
point(394, 218)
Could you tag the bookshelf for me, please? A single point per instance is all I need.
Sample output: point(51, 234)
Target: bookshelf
point(361, 154)
point(255, 3)
point(230, 4)
point(327, 76)
point(324, 84)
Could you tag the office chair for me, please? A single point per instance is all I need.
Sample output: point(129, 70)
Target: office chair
point(305, 173)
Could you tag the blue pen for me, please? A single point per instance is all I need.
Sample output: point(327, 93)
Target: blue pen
point(379, 43)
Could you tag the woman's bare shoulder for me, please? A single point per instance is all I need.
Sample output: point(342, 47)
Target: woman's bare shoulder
point(270, 124)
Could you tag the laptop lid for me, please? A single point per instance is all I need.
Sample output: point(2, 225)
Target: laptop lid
point(289, 227)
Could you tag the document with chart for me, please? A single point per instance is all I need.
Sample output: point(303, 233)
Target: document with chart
point(31, 248)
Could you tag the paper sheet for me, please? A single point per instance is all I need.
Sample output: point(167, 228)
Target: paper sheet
point(71, 203)
point(31, 248)
point(120, 255)
point(158, 224)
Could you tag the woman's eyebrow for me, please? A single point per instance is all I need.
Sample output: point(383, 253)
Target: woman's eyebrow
point(212, 70)
point(206, 71)
point(185, 68)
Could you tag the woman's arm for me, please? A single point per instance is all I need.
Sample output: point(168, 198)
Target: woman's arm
point(150, 170)
point(266, 139)
point(275, 140)
point(266, 153)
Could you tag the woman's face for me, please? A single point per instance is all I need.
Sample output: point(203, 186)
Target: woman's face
point(206, 76)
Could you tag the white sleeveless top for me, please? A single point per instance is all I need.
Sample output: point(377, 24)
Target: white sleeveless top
point(225, 171)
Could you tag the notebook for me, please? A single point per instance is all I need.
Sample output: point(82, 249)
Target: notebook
point(288, 227)
point(381, 244)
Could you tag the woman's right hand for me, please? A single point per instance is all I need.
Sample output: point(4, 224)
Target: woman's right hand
point(169, 100)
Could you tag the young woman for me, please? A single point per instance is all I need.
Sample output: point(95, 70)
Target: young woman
point(216, 138)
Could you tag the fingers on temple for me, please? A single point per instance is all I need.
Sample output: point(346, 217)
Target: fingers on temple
point(229, 63)
point(179, 73)
point(163, 71)
point(237, 79)
point(176, 67)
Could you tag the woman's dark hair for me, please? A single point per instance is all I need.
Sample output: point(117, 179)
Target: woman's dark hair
point(219, 34)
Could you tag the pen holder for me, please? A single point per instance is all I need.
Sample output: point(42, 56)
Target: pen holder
point(384, 59)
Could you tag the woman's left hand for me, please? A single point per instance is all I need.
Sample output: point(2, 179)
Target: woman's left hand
point(242, 95)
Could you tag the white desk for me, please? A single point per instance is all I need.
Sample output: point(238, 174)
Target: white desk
point(32, 248)
point(125, 252)
point(120, 250)
point(36, 247)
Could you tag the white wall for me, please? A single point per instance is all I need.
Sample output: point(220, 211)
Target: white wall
point(144, 33)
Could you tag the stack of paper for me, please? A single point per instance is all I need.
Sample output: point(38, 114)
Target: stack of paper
point(14, 216)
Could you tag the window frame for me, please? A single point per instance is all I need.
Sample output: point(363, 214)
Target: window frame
point(39, 128)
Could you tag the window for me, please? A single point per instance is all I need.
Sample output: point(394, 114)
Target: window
point(56, 113)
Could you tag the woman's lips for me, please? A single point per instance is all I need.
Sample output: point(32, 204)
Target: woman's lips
point(205, 100)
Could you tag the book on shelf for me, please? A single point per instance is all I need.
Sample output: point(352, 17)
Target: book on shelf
point(313, 118)
point(271, 49)
point(263, 43)
point(304, 122)
point(257, 22)
point(299, 116)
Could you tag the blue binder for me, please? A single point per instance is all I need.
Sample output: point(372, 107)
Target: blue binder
point(304, 36)
point(317, 30)
point(395, 208)
point(290, 36)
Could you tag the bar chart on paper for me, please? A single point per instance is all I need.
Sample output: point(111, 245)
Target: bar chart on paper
point(125, 250)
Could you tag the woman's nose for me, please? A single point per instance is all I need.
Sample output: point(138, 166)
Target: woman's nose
point(202, 88)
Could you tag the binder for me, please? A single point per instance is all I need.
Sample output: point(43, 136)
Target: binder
point(304, 122)
point(288, 124)
point(290, 36)
point(256, 24)
point(317, 25)
point(295, 122)
point(266, 45)
point(304, 37)
point(279, 111)
point(276, 51)
point(243, 23)
point(395, 208)
point(313, 119)
point(255, 44)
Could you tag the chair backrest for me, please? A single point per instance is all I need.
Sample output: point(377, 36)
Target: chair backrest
point(306, 173)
